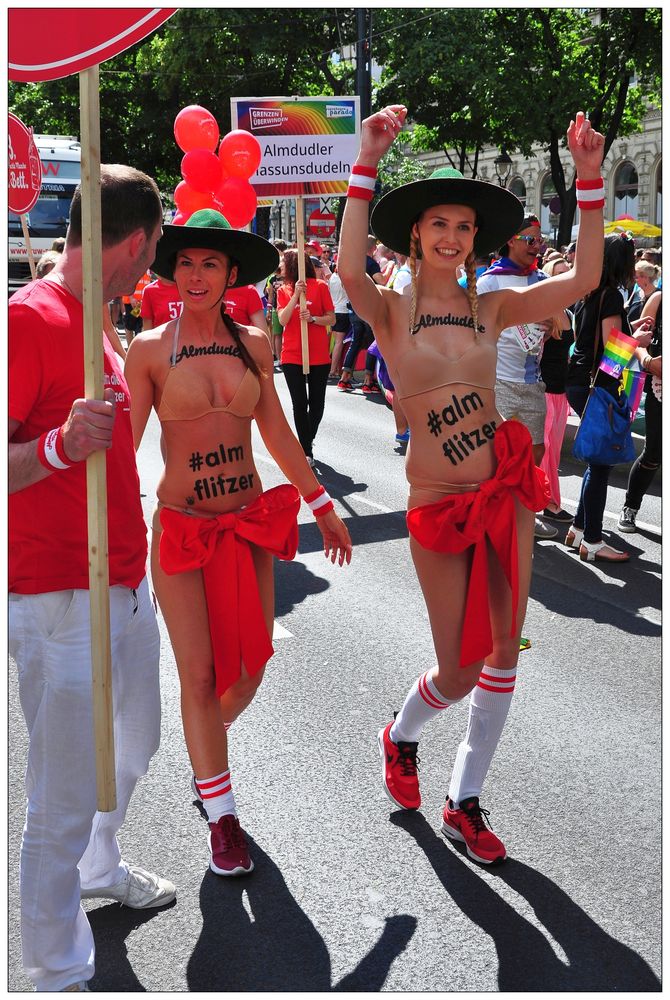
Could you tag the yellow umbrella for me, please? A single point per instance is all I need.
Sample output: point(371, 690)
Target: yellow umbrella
point(633, 226)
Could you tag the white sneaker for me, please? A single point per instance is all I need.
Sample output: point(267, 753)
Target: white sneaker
point(627, 520)
point(80, 987)
point(138, 889)
point(543, 530)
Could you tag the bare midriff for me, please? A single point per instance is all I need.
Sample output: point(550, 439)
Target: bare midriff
point(451, 445)
point(210, 466)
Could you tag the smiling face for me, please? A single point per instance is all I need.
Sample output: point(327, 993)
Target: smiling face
point(202, 277)
point(446, 235)
point(523, 252)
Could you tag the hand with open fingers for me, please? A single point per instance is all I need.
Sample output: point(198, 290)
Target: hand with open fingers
point(379, 131)
point(89, 426)
point(586, 147)
point(336, 539)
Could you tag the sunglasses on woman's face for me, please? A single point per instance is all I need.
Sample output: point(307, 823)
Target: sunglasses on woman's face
point(532, 241)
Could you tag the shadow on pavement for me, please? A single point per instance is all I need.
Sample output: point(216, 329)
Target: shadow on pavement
point(294, 582)
point(565, 584)
point(526, 960)
point(255, 936)
point(111, 925)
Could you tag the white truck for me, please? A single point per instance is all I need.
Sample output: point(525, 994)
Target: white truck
point(48, 219)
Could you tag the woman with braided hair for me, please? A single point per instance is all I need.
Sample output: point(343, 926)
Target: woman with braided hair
point(216, 530)
point(474, 486)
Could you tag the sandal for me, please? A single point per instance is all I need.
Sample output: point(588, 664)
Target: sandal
point(573, 539)
point(595, 552)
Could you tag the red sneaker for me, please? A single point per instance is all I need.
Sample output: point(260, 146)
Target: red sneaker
point(400, 770)
point(470, 825)
point(228, 847)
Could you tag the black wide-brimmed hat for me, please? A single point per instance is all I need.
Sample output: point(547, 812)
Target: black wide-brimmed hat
point(499, 212)
point(207, 229)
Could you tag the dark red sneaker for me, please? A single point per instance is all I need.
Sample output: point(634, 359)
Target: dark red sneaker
point(228, 847)
point(470, 825)
point(370, 387)
point(400, 770)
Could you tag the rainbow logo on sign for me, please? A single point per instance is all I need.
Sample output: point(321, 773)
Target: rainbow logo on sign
point(618, 353)
point(308, 144)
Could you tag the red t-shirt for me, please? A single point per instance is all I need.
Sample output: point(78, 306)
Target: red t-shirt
point(242, 303)
point(48, 547)
point(160, 303)
point(319, 302)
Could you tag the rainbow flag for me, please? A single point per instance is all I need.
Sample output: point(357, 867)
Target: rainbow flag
point(617, 354)
point(632, 383)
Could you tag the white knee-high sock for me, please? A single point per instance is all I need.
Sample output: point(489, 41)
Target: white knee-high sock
point(421, 705)
point(489, 704)
point(217, 796)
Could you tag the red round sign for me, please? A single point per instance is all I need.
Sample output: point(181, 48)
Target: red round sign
point(46, 43)
point(322, 223)
point(23, 166)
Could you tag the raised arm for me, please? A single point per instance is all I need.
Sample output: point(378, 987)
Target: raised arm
point(534, 304)
point(377, 135)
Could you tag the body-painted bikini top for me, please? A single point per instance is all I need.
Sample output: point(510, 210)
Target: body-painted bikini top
point(422, 368)
point(184, 398)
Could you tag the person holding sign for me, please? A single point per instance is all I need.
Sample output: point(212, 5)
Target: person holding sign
point(215, 531)
point(308, 392)
point(69, 851)
point(474, 486)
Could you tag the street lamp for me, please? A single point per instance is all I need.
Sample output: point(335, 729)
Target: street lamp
point(503, 165)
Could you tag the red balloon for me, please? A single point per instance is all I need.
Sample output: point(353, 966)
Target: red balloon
point(180, 218)
point(240, 153)
point(201, 170)
point(189, 200)
point(239, 201)
point(196, 128)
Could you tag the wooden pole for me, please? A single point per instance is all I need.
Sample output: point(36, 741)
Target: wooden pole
point(96, 465)
point(26, 236)
point(300, 243)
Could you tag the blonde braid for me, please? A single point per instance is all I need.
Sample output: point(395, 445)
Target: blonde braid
point(471, 290)
point(413, 252)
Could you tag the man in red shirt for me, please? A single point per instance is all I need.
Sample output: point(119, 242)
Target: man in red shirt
point(160, 303)
point(68, 851)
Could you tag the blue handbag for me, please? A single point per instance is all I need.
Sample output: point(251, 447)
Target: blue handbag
point(604, 436)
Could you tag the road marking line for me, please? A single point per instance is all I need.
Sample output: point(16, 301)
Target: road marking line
point(615, 517)
point(279, 632)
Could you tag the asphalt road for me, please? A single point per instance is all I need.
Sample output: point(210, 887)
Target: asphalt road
point(348, 894)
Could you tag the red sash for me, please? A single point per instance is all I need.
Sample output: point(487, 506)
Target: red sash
point(465, 519)
point(220, 547)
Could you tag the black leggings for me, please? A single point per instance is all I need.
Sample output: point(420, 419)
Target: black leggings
point(647, 464)
point(307, 407)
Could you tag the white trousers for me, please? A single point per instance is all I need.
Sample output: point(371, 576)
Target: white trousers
point(66, 843)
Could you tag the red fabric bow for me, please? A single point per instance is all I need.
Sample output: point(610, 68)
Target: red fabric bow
point(465, 519)
point(220, 547)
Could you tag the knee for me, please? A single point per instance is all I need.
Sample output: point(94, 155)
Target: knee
point(199, 685)
point(454, 686)
point(245, 688)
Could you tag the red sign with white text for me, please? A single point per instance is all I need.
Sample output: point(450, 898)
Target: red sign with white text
point(47, 43)
point(24, 170)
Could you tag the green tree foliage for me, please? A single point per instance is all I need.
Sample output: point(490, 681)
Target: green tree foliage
point(516, 76)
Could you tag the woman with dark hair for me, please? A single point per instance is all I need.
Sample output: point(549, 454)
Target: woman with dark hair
point(596, 315)
point(308, 392)
point(473, 484)
point(215, 531)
